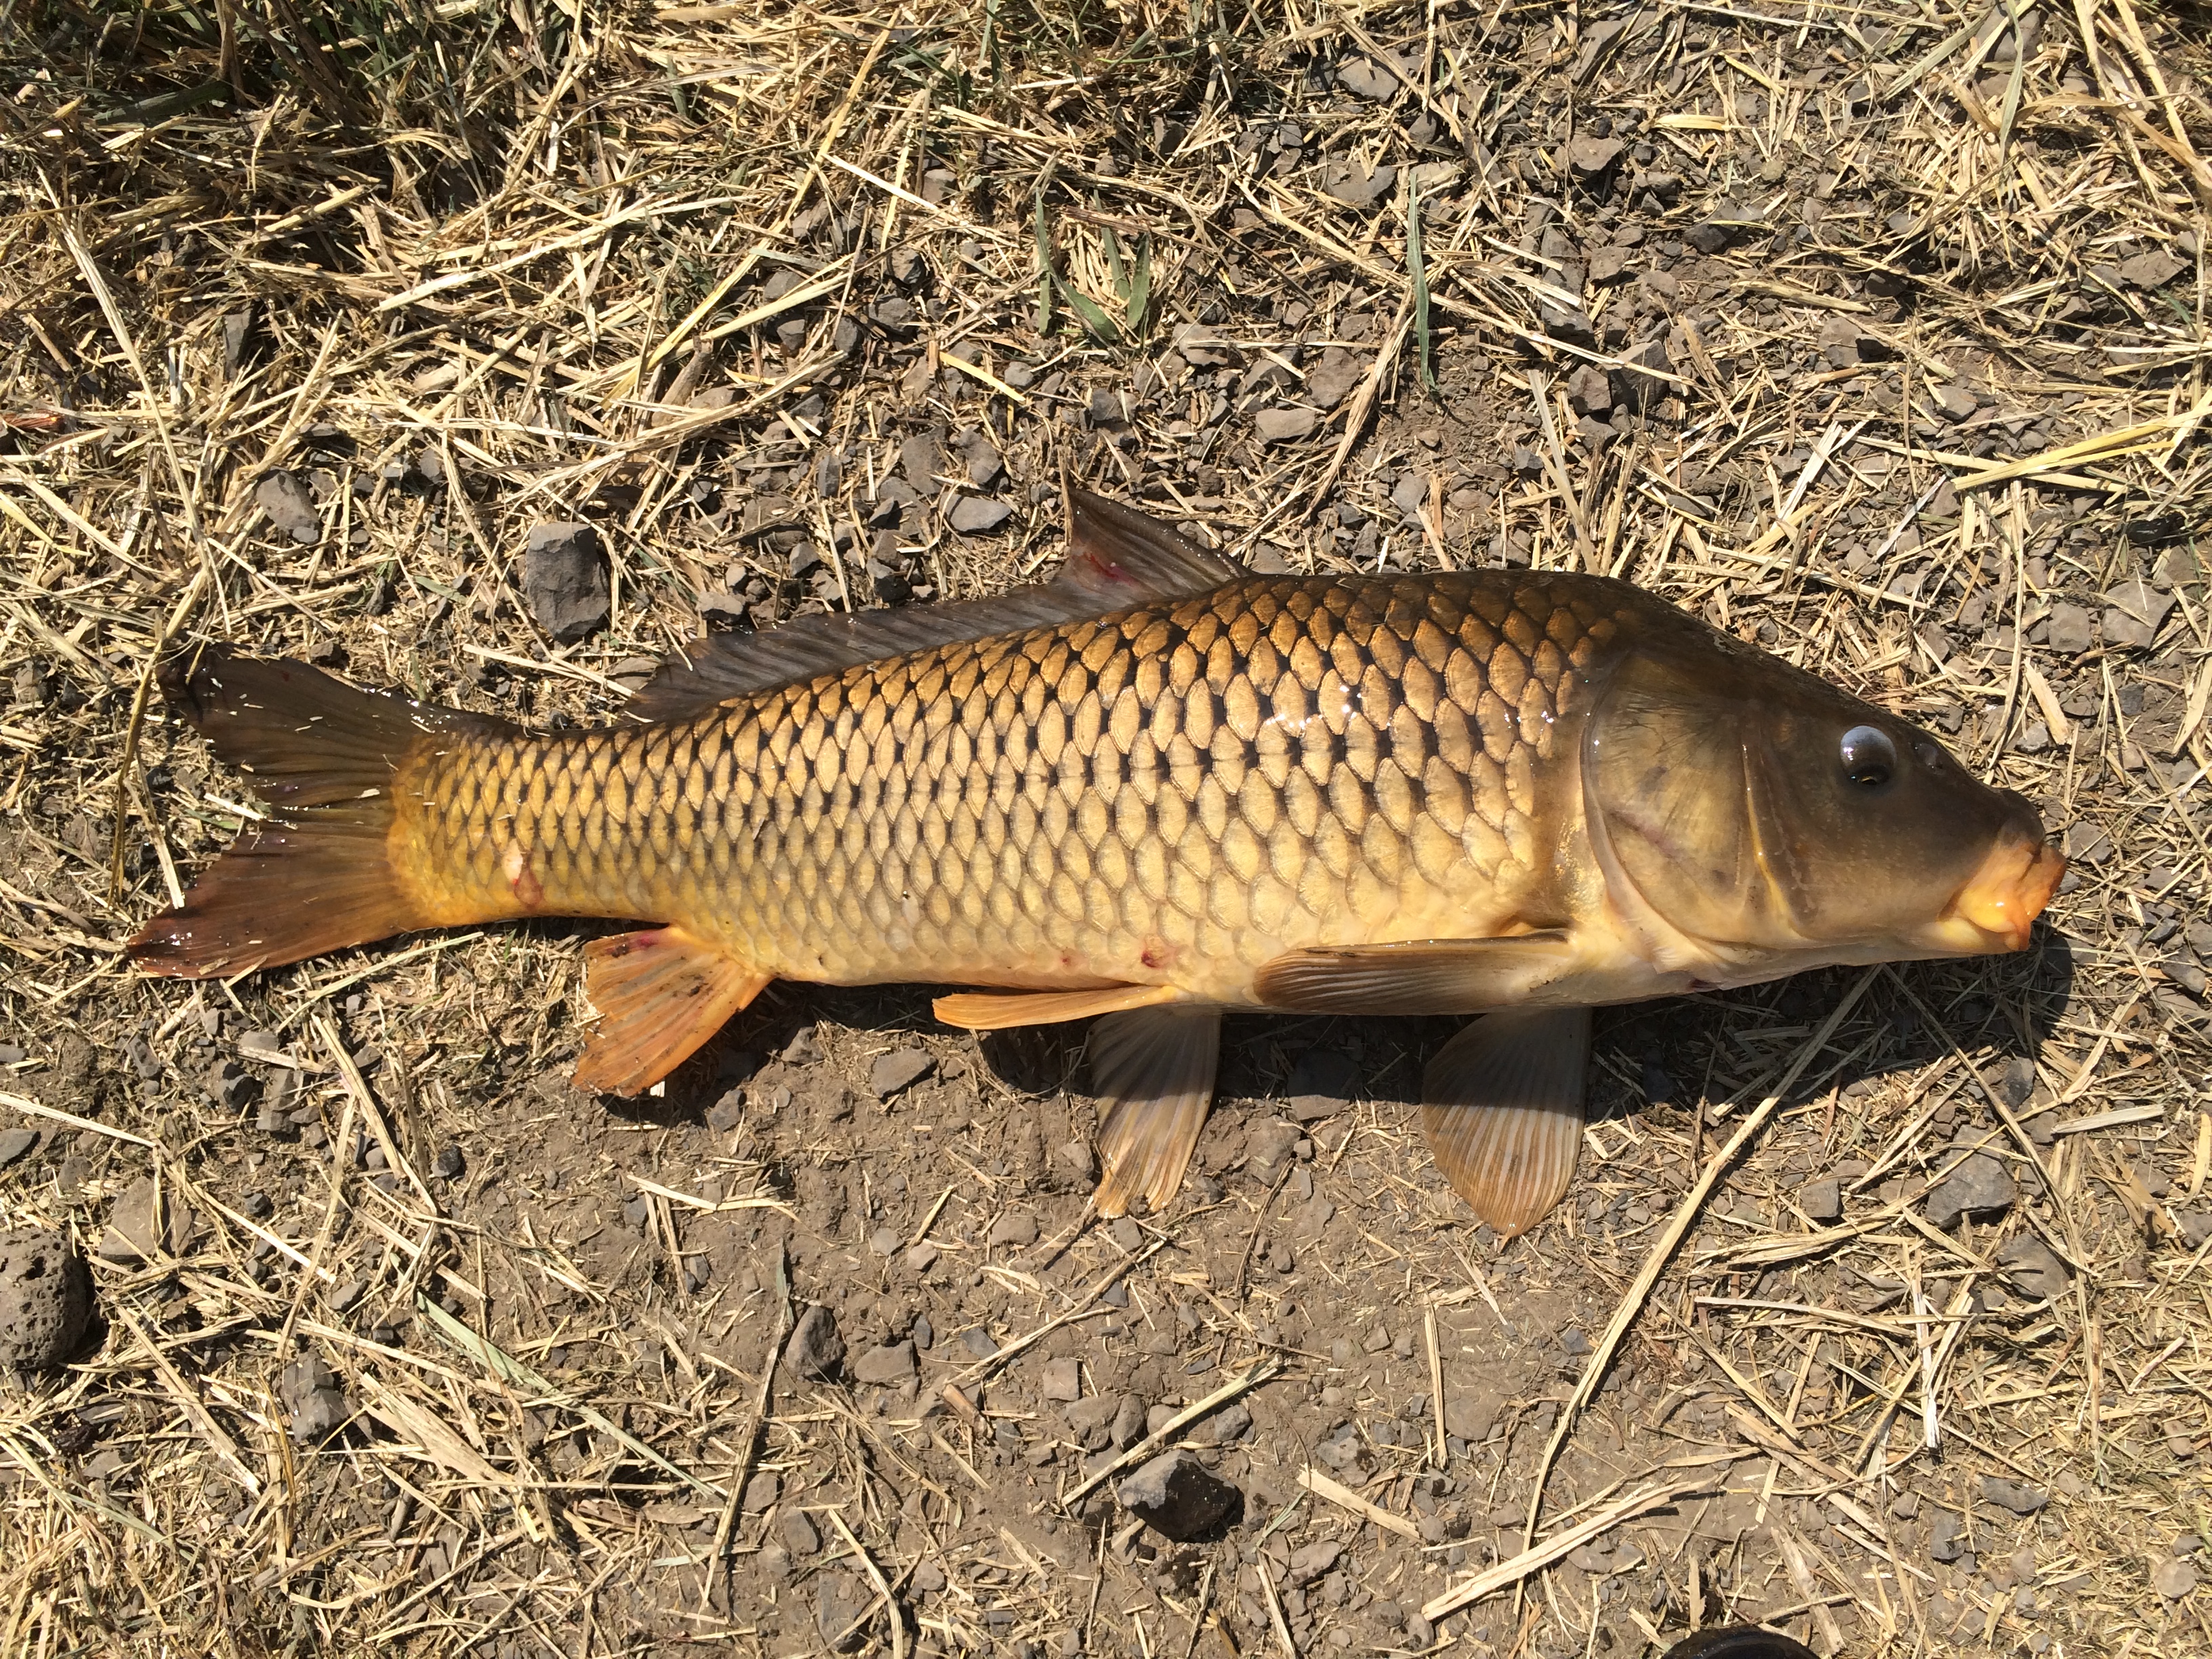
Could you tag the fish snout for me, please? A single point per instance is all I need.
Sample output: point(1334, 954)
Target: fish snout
point(2003, 898)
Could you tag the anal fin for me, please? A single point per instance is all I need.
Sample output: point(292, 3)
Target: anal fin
point(987, 1012)
point(1501, 1105)
point(659, 993)
point(1152, 1069)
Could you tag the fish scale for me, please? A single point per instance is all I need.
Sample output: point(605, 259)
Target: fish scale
point(1176, 795)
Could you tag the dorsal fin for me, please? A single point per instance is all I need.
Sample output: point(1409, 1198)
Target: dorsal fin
point(1116, 557)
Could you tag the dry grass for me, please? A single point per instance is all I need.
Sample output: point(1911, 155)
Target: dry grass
point(1920, 417)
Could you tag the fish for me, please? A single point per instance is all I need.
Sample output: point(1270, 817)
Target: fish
point(1152, 789)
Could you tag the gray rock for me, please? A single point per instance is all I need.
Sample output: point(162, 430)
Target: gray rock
point(2014, 1495)
point(1365, 78)
point(1232, 1422)
point(1179, 1498)
point(2134, 612)
point(1330, 380)
point(761, 1491)
point(1307, 1220)
point(1285, 426)
point(2071, 631)
point(814, 1351)
point(1016, 1227)
point(977, 515)
point(45, 1300)
point(1823, 1201)
point(2032, 1266)
point(1310, 1561)
point(899, 1069)
point(920, 459)
point(1957, 402)
point(1946, 1537)
point(320, 1414)
point(2153, 269)
point(15, 1143)
point(1062, 1380)
point(134, 1226)
point(285, 498)
point(1349, 185)
point(978, 1341)
point(564, 577)
point(1591, 159)
point(1979, 1186)
point(2174, 1579)
point(451, 1163)
point(885, 1241)
point(798, 1533)
point(886, 1366)
point(1129, 1415)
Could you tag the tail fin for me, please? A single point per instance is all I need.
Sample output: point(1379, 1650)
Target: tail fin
point(317, 874)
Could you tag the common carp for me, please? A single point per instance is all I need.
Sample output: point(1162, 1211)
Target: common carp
point(1150, 790)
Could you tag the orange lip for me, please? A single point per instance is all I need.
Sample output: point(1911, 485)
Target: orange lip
point(2008, 893)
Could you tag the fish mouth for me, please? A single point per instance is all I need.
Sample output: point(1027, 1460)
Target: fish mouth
point(1997, 909)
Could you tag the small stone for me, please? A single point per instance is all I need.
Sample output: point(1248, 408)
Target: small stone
point(450, 1164)
point(763, 1490)
point(1978, 1186)
point(2014, 1495)
point(1611, 265)
point(285, 498)
point(134, 1226)
point(1017, 1227)
point(1331, 380)
point(1591, 159)
point(2153, 269)
point(977, 515)
point(2135, 610)
point(816, 1351)
point(1823, 1201)
point(2034, 1267)
point(1946, 1537)
point(15, 1143)
point(2070, 630)
point(1353, 186)
point(1310, 1561)
point(798, 1532)
point(1062, 1380)
point(885, 1366)
point(885, 1241)
point(1365, 78)
point(341, 1298)
point(1179, 1498)
point(2174, 1579)
point(1573, 1343)
point(977, 1341)
point(1078, 1157)
point(899, 1069)
point(1229, 1425)
point(1956, 402)
point(922, 1258)
point(1285, 426)
point(1589, 391)
point(564, 577)
point(319, 1415)
point(45, 1300)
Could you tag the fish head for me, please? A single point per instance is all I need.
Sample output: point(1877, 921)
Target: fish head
point(1751, 814)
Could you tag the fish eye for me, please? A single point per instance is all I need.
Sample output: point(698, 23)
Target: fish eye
point(1869, 757)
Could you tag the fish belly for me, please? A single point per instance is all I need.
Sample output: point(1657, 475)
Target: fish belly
point(1175, 794)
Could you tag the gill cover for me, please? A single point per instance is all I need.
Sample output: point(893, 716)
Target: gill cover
point(1749, 804)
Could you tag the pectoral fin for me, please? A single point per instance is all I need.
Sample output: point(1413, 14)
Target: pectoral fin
point(659, 993)
point(1501, 1103)
point(1152, 1069)
point(994, 1011)
point(1421, 976)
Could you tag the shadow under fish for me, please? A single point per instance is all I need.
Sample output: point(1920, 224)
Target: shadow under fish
point(1152, 789)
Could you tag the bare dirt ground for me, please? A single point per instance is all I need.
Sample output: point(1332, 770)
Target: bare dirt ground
point(1875, 333)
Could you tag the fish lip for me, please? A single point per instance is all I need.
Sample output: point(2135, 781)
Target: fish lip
point(1996, 908)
